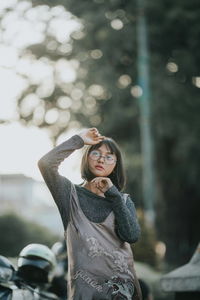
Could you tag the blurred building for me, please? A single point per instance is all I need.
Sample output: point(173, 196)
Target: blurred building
point(29, 199)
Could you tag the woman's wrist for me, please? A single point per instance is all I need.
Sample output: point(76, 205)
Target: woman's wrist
point(81, 137)
point(112, 191)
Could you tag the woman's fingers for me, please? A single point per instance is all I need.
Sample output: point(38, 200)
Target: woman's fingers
point(99, 138)
point(91, 136)
point(96, 134)
point(95, 131)
point(100, 182)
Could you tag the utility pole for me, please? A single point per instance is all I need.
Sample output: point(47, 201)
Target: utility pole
point(145, 115)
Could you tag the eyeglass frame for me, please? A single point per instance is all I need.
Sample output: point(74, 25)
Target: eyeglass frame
point(104, 157)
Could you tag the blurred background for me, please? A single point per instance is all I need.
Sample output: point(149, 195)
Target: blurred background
point(129, 68)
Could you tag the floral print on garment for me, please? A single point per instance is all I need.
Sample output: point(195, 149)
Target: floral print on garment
point(119, 261)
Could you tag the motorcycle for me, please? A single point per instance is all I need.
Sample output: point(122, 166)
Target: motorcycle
point(7, 271)
point(30, 281)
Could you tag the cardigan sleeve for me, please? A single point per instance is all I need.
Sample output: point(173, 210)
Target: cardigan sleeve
point(127, 226)
point(59, 186)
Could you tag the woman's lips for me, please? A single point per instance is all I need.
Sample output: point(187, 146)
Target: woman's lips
point(99, 167)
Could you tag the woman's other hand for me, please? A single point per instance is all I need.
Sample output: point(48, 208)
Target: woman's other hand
point(91, 136)
point(102, 183)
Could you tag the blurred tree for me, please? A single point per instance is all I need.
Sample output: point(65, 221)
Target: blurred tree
point(104, 92)
point(107, 51)
point(101, 56)
point(175, 59)
point(20, 233)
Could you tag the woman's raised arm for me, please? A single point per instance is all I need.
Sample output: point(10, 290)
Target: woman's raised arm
point(58, 185)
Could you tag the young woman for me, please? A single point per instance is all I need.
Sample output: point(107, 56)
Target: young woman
point(99, 221)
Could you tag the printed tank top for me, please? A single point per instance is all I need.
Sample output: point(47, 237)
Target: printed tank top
point(95, 254)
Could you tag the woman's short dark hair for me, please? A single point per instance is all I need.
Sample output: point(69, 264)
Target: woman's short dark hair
point(118, 175)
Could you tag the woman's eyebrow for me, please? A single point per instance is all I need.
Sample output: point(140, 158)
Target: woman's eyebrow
point(107, 152)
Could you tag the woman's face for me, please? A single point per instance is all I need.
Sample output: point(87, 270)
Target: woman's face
point(101, 161)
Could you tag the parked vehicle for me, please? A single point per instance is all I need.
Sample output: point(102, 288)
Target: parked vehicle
point(33, 276)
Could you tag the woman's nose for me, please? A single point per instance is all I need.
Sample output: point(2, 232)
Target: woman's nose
point(101, 158)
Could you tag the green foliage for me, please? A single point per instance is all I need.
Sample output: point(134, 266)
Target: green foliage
point(16, 233)
point(104, 54)
point(173, 29)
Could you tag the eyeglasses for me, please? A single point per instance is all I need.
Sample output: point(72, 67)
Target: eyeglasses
point(109, 159)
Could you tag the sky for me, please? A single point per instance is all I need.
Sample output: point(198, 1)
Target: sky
point(22, 146)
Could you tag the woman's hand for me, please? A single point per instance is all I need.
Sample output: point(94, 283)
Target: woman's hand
point(91, 136)
point(102, 183)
